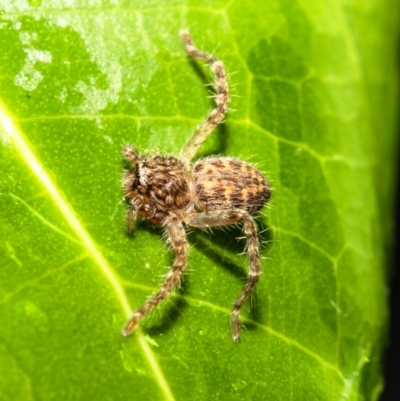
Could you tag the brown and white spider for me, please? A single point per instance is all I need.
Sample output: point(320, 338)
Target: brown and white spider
point(215, 191)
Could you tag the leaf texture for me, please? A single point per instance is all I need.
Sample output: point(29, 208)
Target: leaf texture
point(314, 98)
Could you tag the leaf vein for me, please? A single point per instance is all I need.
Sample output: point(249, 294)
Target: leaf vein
point(23, 147)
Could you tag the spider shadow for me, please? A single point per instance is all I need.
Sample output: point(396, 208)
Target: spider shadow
point(223, 240)
point(169, 313)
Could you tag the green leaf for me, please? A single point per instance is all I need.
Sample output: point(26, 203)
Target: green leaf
point(315, 110)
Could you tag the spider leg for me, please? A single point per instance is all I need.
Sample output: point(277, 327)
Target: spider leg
point(127, 182)
point(131, 218)
point(221, 98)
point(177, 237)
point(226, 217)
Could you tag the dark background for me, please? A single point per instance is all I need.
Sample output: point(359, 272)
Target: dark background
point(392, 359)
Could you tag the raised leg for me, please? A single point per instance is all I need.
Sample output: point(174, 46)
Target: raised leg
point(221, 99)
point(177, 237)
point(226, 217)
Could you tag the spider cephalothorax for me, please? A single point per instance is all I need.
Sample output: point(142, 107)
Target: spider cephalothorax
point(217, 191)
point(158, 186)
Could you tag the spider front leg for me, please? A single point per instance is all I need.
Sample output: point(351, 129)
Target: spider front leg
point(177, 237)
point(226, 217)
point(221, 98)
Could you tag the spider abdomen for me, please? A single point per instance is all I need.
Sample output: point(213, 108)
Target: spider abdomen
point(223, 183)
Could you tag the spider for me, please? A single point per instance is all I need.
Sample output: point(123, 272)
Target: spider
point(215, 191)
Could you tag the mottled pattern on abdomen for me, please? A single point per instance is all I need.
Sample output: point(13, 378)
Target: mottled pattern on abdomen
point(223, 183)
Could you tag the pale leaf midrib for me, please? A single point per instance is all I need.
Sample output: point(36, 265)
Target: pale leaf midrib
point(11, 131)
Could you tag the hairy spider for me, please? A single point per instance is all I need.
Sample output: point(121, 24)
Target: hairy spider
point(215, 191)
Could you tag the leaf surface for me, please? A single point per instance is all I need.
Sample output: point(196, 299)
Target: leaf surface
point(315, 110)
